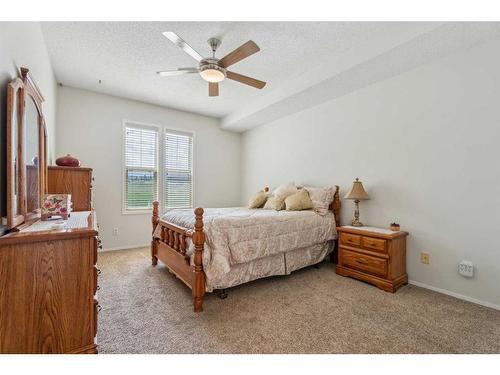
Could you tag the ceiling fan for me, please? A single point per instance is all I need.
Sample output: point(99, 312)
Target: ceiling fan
point(211, 69)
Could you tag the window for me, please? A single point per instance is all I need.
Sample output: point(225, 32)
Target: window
point(178, 172)
point(156, 170)
point(141, 167)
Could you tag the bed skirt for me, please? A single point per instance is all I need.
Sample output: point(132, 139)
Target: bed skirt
point(274, 265)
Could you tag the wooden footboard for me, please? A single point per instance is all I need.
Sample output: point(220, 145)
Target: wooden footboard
point(171, 249)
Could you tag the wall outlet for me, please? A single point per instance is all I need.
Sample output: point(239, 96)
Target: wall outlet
point(425, 258)
point(466, 268)
point(115, 231)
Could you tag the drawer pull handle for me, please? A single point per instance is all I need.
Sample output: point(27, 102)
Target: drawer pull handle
point(361, 261)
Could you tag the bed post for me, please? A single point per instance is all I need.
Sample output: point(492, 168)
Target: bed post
point(199, 275)
point(335, 207)
point(154, 241)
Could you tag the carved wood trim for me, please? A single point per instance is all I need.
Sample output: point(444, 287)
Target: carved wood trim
point(15, 194)
point(171, 249)
point(335, 206)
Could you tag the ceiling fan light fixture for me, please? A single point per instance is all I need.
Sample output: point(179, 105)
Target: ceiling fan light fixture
point(212, 75)
point(211, 72)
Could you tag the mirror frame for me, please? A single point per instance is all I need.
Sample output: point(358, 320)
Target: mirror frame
point(23, 89)
point(32, 91)
point(15, 101)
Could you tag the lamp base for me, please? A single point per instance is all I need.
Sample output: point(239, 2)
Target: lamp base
point(357, 223)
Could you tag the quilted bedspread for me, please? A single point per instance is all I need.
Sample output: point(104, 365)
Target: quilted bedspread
point(239, 235)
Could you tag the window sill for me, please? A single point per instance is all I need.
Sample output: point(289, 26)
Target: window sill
point(137, 212)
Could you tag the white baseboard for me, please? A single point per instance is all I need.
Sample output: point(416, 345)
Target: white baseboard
point(124, 247)
point(456, 295)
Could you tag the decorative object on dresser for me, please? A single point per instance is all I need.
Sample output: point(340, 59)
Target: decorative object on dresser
point(357, 193)
point(395, 227)
point(56, 205)
point(48, 287)
point(76, 181)
point(374, 255)
point(67, 161)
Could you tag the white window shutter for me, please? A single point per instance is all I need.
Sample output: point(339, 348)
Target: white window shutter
point(178, 170)
point(141, 167)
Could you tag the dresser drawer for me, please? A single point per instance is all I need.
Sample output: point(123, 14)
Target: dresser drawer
point(376, 244)
point(362, 262)
point(350, 239)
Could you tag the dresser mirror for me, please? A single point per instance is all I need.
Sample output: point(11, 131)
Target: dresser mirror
point(32, 156)
point(26, 150)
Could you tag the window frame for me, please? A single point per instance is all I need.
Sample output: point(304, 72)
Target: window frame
point(138, 125)
point(160, 167)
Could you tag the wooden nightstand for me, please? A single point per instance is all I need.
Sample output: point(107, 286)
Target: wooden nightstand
point(374, 255)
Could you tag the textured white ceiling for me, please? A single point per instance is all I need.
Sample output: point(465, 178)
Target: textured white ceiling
point(303, 63)
point(126, 55)
point(399, 51)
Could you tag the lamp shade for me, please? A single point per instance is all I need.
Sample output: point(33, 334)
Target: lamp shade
point(357, 191)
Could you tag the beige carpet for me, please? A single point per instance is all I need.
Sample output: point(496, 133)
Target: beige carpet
point(147, 310)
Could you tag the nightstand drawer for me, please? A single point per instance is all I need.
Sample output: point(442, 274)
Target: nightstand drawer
point(373, 244)
point(362, 262)
point(350, 239)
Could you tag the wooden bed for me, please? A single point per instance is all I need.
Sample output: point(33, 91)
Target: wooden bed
point(171, 248)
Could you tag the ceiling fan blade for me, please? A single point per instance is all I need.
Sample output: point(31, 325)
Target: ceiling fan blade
point(213, 89)
point(178, 72)
point(246, 80)
point(176, 39)
point(243, 51)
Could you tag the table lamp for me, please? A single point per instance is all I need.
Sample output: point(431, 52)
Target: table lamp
point(357, 193)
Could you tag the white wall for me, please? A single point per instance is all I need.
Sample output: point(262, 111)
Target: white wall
point(91, 128)
point(426, 145)
point(22, 45)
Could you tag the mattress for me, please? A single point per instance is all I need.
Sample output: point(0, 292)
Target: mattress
point(237, 235)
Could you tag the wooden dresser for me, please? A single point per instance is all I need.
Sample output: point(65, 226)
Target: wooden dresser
point(76, 181)
point(374, 255)
point(48, 285)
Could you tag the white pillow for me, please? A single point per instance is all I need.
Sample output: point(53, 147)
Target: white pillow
point(321, 198)
point(283, 191)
